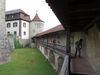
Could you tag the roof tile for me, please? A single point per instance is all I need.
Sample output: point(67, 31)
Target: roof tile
point(55, 29)
point(36, 18)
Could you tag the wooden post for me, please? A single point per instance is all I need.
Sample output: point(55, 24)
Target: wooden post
point(68, 40)
point(65, 70)
point(68, 47)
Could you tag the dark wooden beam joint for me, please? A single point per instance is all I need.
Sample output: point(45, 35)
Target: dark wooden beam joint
point(92, 23)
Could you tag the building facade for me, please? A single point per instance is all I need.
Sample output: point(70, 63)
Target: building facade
point(36, 26)
point(17, 23)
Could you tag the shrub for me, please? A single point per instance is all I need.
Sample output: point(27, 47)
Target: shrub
point(17, 44)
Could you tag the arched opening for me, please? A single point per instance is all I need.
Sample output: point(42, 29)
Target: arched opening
point(60, 63)
point(52, 57)
point(46, 51)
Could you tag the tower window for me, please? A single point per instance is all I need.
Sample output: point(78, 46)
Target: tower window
point(15, 24)
point(24, 33)
point(8, 25)
point(24, 24)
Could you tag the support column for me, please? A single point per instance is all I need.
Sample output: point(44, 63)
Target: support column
point(68, 48)
point(65, 70)
point(4, 43)
point(68, 40)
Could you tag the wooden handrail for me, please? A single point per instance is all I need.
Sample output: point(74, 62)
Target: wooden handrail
point(55, 47)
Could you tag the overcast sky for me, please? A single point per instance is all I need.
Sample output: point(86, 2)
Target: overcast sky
point(30, 7)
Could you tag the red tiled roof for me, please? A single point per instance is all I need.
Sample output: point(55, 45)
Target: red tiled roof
point(55, 29)
point(36, 18)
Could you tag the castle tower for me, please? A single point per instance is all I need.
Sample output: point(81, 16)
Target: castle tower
point(36, 26)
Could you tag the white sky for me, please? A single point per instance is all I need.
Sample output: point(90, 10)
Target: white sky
point(30, 7)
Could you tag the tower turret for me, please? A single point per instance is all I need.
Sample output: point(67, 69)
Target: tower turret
point(36, 25)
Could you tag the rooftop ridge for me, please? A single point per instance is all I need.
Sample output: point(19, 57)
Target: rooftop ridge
point(36, 18)
point(51, 30)
point(15, 11)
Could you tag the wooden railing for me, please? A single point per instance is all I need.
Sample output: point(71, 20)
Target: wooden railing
point(52, 46)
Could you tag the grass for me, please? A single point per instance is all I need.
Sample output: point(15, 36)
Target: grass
point(27, 61)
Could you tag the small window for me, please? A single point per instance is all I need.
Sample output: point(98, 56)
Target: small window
point(15, 24)
point(8, 32)
point(24, 24)
point(24, 33)
point(8, 25)
point(15, 32)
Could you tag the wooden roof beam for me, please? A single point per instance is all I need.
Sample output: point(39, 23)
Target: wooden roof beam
point(82, 17)
point(92, 22)
point(85, 10)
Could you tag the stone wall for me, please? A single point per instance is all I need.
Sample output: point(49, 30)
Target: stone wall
point(75, 36)
point(23, 42)
point(60, 38)
point(93, 48)
point(4, 43)
point(56, 58)
point(11, 41)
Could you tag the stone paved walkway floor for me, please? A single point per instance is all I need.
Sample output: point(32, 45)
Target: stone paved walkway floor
point(81, 66)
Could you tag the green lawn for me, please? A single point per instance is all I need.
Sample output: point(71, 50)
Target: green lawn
point(27, 62)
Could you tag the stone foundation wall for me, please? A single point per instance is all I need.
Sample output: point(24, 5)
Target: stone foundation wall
point(24, 42)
